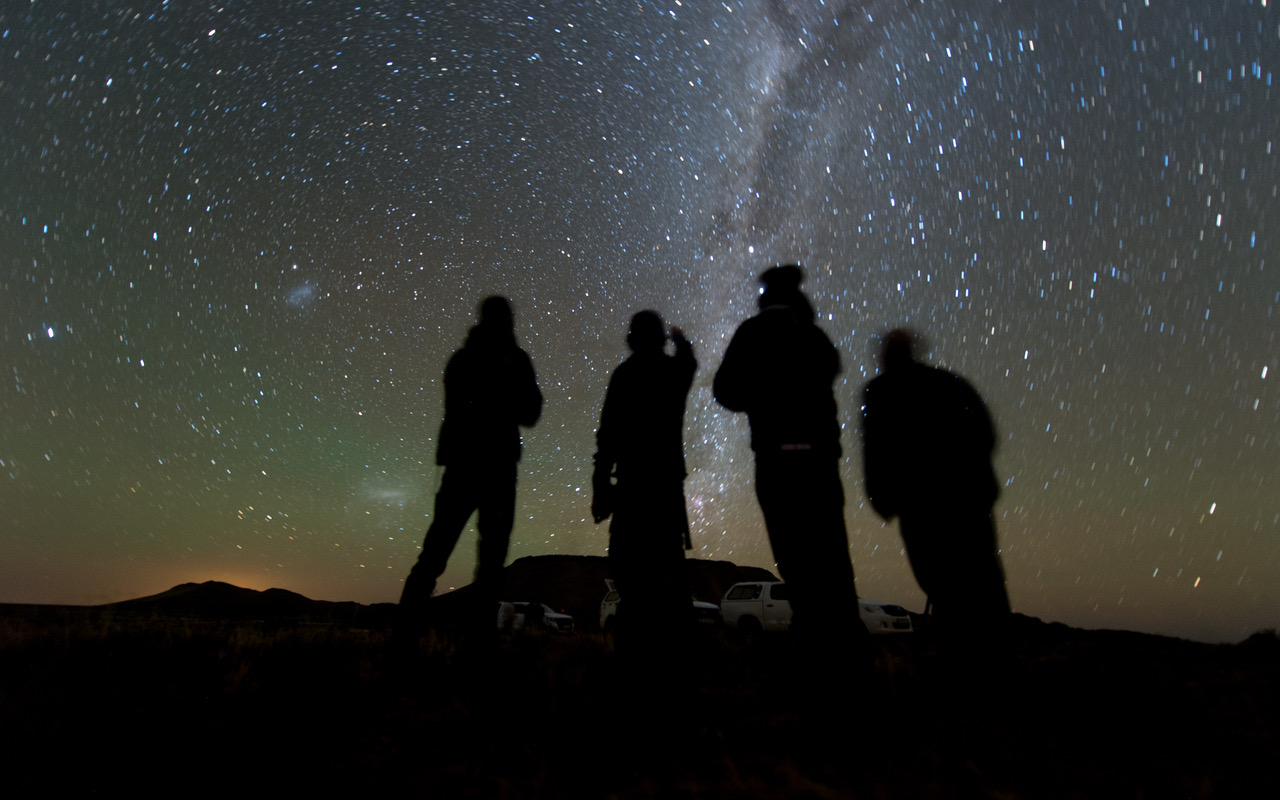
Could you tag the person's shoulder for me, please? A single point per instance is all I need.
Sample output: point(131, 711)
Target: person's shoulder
point(499, 351)
point(945, 376)
point(626, 372)
point(459, 358)
point(639, 365)
point(882, 390)
point(965, 388)
point(945, 383)
point(818, 333)
point(624, 369)
point(751, 323)
point(923, 376)
point(764, 324)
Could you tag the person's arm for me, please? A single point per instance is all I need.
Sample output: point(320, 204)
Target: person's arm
point(730, 383)
point(605, 459)
point(687, 364)
point(875, 469)
point(529, 399)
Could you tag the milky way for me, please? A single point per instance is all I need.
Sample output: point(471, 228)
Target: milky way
point(240, 241)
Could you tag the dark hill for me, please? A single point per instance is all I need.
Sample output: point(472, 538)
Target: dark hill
point(574, 584)
point(217, 600)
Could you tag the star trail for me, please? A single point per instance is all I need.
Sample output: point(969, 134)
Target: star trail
point(240, 241)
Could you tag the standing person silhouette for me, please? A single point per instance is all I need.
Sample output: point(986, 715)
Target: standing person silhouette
point(490, 391)
point(927, 443)
point(638, 480)
point(780, 368)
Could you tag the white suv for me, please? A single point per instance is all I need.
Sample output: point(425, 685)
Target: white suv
point(766, 606)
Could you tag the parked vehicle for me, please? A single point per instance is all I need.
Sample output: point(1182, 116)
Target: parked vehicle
point(766, 606)
point(757, 606)
point(884, 617)
point(703, 612)
point(516, 616)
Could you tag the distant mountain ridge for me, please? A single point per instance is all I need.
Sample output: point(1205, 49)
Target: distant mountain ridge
point(218, 600)
point(574, 584)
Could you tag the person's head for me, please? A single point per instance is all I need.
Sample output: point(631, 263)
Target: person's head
point(495, 314)
point(647, 332)
point(898, 348)
point(780, 286)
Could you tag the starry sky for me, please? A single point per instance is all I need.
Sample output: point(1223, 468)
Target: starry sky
point(240, 240)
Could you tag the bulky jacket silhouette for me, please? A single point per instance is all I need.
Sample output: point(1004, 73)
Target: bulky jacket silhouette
point(780, 369)
point(638, 479)
point(490, 391)
point(927, 445)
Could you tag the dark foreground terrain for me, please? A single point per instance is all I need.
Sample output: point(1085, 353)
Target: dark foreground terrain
point(110, 699)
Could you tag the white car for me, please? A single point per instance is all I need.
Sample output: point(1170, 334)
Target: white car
point(517, 616)
point(703, 613)
point(766, 606)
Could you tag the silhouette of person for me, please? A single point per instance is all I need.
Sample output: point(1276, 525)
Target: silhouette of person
point(927, 442)
point(638, 480)
point(779, 368)
point(490, 390)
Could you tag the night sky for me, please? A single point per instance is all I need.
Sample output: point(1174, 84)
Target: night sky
point(240, 240)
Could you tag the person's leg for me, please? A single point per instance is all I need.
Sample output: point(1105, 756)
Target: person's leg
point(923, 535)
point(454, 505)
point(496, 519)
point(980, 568)
point(803, 503)
point(802, 500)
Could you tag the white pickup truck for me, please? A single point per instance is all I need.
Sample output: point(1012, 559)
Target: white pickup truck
point(766, 606)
